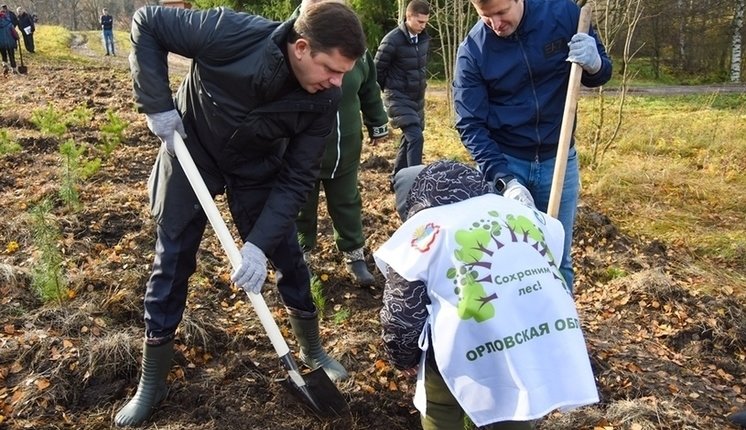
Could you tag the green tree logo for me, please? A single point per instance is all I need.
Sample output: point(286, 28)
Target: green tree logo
point(477, 246)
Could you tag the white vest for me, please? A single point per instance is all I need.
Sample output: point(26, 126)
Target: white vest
point(504, 327)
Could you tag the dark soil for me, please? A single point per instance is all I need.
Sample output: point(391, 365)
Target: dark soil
point(665, 355)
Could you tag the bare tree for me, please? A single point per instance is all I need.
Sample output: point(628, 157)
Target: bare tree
point(452, 19)
point(617, 22)
point(735, 57)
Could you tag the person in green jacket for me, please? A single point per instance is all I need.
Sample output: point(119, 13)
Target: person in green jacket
point(341, 163)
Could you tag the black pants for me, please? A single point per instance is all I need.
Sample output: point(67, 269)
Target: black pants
point(410, 147)
point(9, 53)
point(28, 42)
point(175, 261)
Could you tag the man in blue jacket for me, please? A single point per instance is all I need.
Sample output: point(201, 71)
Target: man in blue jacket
point(254, 110)
point(509, 90)
point(107, 29)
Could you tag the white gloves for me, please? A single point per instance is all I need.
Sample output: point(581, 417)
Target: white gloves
point(514, 190)
point(163, 125)
point(583, 51)
point(251, 274)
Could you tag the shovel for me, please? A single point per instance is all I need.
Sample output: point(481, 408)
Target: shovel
point(22, 69)
point(315, 388)
point(568, 120)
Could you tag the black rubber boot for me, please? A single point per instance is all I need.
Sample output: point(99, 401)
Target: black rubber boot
point(738, 418)
point(156, 363)
point(355, 261)
point(306, 329)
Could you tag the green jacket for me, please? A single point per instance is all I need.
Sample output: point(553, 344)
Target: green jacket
point(360, 93)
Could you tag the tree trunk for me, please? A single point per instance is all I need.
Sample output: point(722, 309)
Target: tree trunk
point(735, 58)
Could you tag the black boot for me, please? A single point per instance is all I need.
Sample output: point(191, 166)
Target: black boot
point(355, 261)
point(306, 329)
point(156, 362)
point(738, 418)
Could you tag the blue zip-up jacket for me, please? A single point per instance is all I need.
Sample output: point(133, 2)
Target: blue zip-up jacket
point(509, 93)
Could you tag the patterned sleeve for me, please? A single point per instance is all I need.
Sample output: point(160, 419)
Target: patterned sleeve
point(403, 317)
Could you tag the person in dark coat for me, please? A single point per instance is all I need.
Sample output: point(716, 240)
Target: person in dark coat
point(401, 62)
point(27, 28)
point(254, 111)
point(9, 13)
point(107, 31)
point(339, 170)
point(8, 41)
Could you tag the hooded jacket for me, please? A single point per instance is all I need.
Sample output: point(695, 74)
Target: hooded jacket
point(404, 310)
point(509, 93)
point(402, 75)
point(248, 122)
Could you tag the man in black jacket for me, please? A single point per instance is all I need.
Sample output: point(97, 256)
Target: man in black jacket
point(27, 28)
point(254, 110)
point(401, 62)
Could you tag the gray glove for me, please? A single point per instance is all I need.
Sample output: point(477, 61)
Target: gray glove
point(514, 190)
point(251, 274)
point(164, 124)
point(583, 51)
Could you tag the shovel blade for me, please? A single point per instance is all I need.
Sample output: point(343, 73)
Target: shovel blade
point(320, 393)
point(22, 70)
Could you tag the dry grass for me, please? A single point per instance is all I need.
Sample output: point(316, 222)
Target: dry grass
point(676, 173)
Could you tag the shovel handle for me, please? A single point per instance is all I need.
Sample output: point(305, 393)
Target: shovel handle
point(226, 239)
point(568, 121)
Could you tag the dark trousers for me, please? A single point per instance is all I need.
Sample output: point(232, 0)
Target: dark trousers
point(28, 42)
point(344, 204)
point(9, 54)
point(175, 261)
point(410, 147)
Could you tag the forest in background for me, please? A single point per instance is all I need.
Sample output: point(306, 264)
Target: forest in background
point(668, 41)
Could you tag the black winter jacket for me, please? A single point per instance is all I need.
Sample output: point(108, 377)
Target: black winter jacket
point(26, 20)
point(249, 124)
point(402, 75)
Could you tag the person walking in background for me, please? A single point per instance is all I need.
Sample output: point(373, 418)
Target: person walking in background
point(341, 164)
point(255, 109)
point(27, 28)
point(509, 89)
point(8, 41)
point(500, 348)
point(401, 62)
point(107, 29)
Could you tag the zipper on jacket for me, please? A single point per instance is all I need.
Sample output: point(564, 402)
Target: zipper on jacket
point(533, 91)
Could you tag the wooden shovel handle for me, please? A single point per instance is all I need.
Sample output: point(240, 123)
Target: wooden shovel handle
point(226, 239)
point(568, 122)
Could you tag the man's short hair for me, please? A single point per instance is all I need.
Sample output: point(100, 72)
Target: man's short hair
point(331, 25)
point(419, 7)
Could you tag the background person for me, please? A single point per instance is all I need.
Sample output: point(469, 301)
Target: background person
point(341, 164)
point(501, 348)
point(27, 28)
point(509, 90)
point(8, 41)
point(107, 30)
point(401, 62)
point(255, 108)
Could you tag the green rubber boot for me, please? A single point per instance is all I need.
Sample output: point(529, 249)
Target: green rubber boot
point(306, 329)
point(156, 362)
